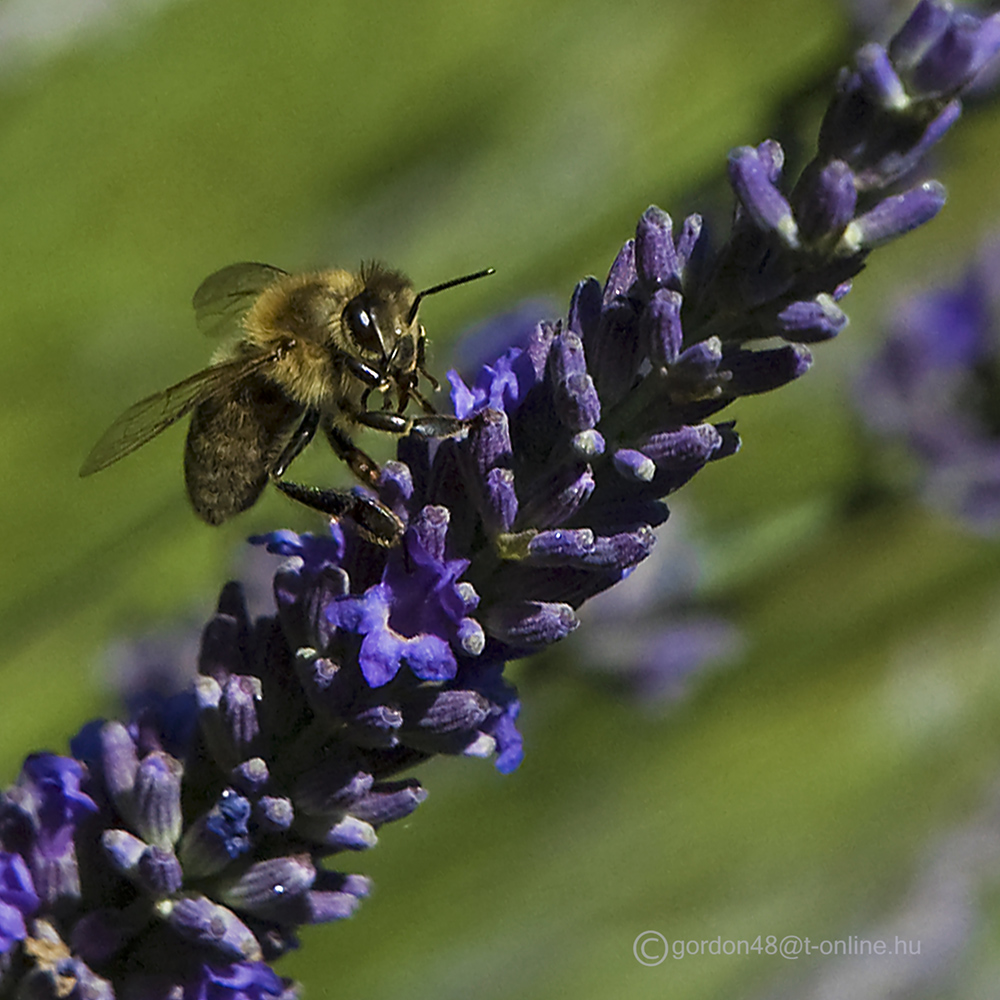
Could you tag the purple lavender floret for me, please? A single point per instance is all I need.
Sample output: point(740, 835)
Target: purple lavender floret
point(935, 387)
point(179, 853)
point(18, 900)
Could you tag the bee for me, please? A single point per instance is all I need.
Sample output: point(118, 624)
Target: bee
point(305, 352)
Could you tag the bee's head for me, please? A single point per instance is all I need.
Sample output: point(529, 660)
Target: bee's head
point(381, 319)
point(378, 319)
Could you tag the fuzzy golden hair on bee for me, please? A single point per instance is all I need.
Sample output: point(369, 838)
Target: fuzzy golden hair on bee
point(301, 353)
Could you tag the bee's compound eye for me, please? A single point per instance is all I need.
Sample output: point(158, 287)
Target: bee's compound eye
point(360, 321)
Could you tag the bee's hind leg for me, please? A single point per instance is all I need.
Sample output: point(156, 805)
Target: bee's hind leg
point(373, 520)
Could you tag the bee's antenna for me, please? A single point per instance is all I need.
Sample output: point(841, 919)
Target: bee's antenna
point(412, 315)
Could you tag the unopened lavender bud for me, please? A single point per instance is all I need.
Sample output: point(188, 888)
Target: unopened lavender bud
point(359, 886)
point(577, 403)
point(119, 761)
point(266, 887)
point(208, 693)
point(240, 696)
point(661, 322)
point(159, 872)
point(220, 652)
point(123, 850)
point(690, 232)
point(893, 217)
point(655, 257)
point(616, 351)
point(761, 371)
point(251, 776)
point(587, 444)
point(954, 58)
point(684, 447)
point(56, 874)
point(575, 398)
point(324, 907)
point(879, 78)
point(530, 624)
point(482, 746)
point(925, 25)
point(198, 920)
point(348, 834)
point(560, 546)
point(634, 465)
point(825, 202)
point(696, 375)
point(431, 530)
point(772, 158)
point(500, 510)
point(489, 440)
point(452, 710)
point(811, 321)
point(389, 801)
point(622, 275)
point(621, 551)
point(156, 804)
point(326, 789)
point(229, 716)
point(316, 673)
point(749, 175)
point(377, 726)
point(566, 357)
point(471, 636)
point(585, 308)
point(274, 814)
point(395, 484)
point(556, 498)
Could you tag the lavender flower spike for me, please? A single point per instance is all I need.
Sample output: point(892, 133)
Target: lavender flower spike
point(178, 854)
point(934, 386)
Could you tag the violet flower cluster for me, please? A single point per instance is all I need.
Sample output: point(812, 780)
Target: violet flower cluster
point(652, 639)
point(176, 855)
point(935, 387)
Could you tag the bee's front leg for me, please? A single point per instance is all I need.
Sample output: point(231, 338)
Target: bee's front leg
point(364, 373)
point(437, 425)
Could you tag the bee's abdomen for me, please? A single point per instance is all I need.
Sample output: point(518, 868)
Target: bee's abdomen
point(233, 442)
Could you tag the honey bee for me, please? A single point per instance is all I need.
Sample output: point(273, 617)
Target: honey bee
point(305, 353)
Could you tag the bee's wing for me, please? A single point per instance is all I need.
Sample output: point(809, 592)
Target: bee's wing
point(223, 298)
point(147, 418)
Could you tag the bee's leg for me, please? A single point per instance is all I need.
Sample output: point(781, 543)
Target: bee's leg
point(436, 425)
point(422, 361)
point(363, 372)
point(363, 466)
point(374, 521)
point(303, 434)
point(439, 425)
point(425, 404)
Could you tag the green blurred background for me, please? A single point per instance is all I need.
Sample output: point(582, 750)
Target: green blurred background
point(807, 790)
